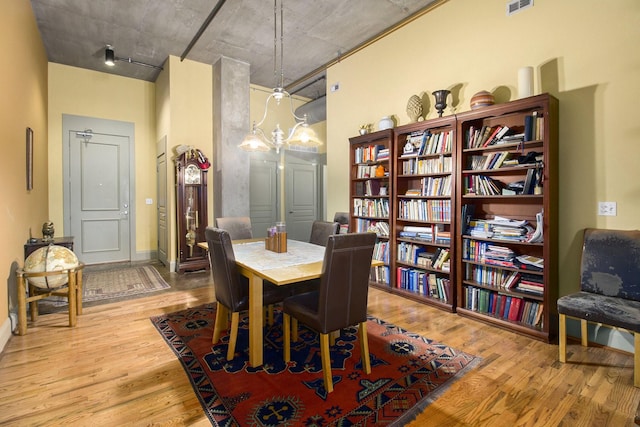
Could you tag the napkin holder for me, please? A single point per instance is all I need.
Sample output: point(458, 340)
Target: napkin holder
point(276, 243)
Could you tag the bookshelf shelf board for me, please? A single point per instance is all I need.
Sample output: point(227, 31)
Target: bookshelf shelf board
point(504, 323)
point(418, 221)
point(500, 196)
point(503, 241)
point(507, 169)
point(516, 146)
point(423, 242)
point(503, 291)
point(420, 267)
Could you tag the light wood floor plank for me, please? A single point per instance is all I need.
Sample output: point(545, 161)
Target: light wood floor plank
point(115, 369)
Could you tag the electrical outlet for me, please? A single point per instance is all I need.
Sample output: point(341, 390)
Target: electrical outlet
point(607, 208)
point(149, 201)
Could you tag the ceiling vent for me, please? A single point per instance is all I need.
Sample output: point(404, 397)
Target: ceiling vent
point(518, 5)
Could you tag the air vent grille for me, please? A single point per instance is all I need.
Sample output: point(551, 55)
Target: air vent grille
point(517, 5)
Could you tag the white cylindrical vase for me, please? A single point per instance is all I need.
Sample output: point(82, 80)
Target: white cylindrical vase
point(525, 82)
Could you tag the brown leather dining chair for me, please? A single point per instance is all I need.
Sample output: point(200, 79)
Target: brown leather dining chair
point(232, 288)
point(239, 227)
point(321, 230)
point(340, 301)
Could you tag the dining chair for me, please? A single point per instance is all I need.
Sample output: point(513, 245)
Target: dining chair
point(343, 219)
point(232, 288)
point(321, 230)
point(239, 227)
point(340, 301)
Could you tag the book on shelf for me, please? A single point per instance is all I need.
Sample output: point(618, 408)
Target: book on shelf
point(467, 212)
point(529, 182)
point(530, 262)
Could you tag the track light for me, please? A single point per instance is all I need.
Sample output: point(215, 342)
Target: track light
point(110, 59)
point(109, 56)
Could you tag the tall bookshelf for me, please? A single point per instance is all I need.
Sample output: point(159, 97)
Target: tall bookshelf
point(423, 232)
point(370, 195)
point(508, 215)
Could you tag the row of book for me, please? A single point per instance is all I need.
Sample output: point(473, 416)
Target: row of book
point(500, 228)
point(426, 284)
point(507, 307)
point(424, 210)
point(381, 251)
point(371, 153)
point(410, 253)
point(381, 228)
point(421, 143)
point(380, 274)
point(488, 253)
point(432, 186)
point(482, 185)
point(434, 233)
point(505, 279)
point(486, 135)
point(414, 166)
point(369, 171)
point(492, 161)
point(370, 187)
point(375, 208)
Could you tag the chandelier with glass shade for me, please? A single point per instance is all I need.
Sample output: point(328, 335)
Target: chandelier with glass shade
point(301, 134)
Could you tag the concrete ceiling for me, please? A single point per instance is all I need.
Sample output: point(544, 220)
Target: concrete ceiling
point(316, 33)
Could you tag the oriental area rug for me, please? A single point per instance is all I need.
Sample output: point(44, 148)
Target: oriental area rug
point(408, 372)
point(112, 283)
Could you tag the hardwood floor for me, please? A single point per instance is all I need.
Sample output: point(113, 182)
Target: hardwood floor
point(114, 369)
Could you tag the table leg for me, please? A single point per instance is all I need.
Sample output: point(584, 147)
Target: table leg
point(255, 321)
point(22, 305)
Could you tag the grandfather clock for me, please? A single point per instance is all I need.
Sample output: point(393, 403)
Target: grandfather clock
point(191, 189)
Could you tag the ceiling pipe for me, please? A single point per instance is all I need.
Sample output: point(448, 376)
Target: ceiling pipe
point(202, 29)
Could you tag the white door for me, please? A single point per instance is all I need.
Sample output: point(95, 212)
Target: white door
point(98, 196)
point(263, 195)
point(161, 169)
point(301, 197)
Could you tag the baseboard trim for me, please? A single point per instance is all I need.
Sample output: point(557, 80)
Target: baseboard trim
point(5, 333)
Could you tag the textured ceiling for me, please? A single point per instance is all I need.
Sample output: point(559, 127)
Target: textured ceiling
point(316, 32)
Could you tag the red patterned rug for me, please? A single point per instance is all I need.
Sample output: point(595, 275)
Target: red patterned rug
point(407, 373)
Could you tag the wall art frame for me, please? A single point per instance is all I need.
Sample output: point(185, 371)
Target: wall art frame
point(29, 146)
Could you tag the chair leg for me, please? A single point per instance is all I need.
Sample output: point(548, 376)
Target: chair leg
point(233, 337)
point(584, 337)
point(364, 347)
point(22, 305)
point(325, 355)
point(270, 315)
point(286, 327)
point(79, 291)
point(72, 297)
point(562, 339)
point(636, 359)
point(222, 322)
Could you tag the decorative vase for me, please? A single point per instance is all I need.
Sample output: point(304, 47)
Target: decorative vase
point(525, 82)
point(385, 123)
point(414, 108)
point(441, 100)
point(481, 99)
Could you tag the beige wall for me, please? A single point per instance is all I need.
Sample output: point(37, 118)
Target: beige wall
point(184, 93)
point(23, 85)
point(106, 96)
point(584, 52)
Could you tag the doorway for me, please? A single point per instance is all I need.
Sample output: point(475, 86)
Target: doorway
point(98, 165)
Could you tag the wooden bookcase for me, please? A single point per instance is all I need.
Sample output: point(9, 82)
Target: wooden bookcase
point(423, 233)
point(370, 193)
point(485, 256)
point(479, 264)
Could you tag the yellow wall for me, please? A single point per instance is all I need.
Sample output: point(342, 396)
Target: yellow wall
point(584, 52)
point(23, 85)
point(184, 115)
point(106, 96)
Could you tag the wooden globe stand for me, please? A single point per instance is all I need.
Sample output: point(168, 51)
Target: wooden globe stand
point(72, 291)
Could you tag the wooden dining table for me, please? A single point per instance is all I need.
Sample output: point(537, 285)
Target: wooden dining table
point(302, 261)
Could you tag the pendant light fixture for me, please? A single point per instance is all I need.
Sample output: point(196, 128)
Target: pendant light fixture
point(301, 134)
